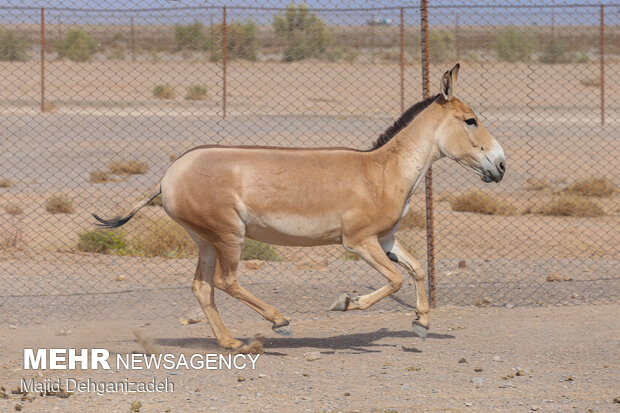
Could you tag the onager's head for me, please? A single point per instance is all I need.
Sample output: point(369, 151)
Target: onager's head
point(463, 138)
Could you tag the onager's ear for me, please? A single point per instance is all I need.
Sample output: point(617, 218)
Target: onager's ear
point(448, 80)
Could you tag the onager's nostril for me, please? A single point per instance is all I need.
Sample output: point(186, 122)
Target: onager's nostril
point(501, 167)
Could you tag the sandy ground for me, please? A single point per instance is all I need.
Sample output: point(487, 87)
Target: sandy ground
point(547, 359)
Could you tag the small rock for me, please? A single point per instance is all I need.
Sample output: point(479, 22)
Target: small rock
point(18, 407)
point(462, 264)
point(534, 408)
point(240, 378)
point(261, 375)
point(120, 278)
point(312, 355)
point(617, 400)
point(254, 264)
point(400, 347)
point(468, 404)
point(477, 381)
point(194, 320)
point(483, 302)
point(478, 369)
point(507, 384)
point(12, 327)
point(520, 373)
point(347, 393)
point(183, 321)
point(509, 305)
point(569, 378)
point(497, 358)
point(135, 407)
point(413, 368)
point(305, 375)
point(462, 360)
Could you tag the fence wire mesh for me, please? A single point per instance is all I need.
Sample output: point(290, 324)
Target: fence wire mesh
point(96, 104)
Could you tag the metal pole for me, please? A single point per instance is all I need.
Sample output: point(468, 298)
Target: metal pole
point(42, 59)
point(456, 36)
point(133, 41)
point(224, 58)
point(430, 237)
point(602, 65)
point(372, 40)
point(402, 60)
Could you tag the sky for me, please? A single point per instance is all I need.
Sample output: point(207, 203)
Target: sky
point(441, 11)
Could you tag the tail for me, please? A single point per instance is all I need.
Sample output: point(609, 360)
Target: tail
point(118, 221)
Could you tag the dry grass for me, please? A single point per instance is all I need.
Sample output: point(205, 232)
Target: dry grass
point(350, 256)
point(571, 206)
point(599, 187)
point(11, 236)
point(536, 184)
point(480, 202)
point(128, 167)
point(196, 92)
point(98, 177)
point(415, 219)
point(161, 237)
point(164, 92)
point(445, 196)
point(13, 209)
point(5, 183)
point(59, 204)
point(591, 81)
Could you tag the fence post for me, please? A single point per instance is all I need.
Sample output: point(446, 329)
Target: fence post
point(602, 52)
point(402, 59)
point(42, 59)
point(224, 58)
point(372, 40)
point(456, 36)
point(132, 40)
point(430, 239)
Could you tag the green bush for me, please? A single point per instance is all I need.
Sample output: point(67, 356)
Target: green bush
point(164, 91)
point(305, 33)
point(336, 54)
point(241, 41)
point(12, 46)
point(513, 45)
point(103, 241)
point(441, 46)
point(556, 52)
point(77, 45)
point(189, 37)
point(254, 250)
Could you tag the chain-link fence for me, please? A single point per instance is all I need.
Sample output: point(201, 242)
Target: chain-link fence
point(96, 104)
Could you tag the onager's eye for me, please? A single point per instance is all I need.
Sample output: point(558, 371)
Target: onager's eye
point(471, 122)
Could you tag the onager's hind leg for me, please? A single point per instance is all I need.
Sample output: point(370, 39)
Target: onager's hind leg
point(204, 292)
point(228, 254)
point(413, 267)
point(370, 250)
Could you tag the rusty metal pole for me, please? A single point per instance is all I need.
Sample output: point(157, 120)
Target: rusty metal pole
point(602, 65)
point(430, 236)
point(224, 61)
point(133, 41)
point(372, 40)
point(402, 60)
point(456, 36)
point(42, 59)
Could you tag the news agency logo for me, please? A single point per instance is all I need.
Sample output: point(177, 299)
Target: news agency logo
point(99, 358)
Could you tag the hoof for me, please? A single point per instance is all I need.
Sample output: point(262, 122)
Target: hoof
point(231, 345)
point(341, 303)
point(419, 329)
point(282, 328)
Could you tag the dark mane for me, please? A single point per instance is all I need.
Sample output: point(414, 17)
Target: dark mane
point(404, 120)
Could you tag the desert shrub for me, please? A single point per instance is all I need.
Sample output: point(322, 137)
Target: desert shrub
point(13, 209)
point(389, 54)
point(13, 47)
point(556, 52)
point(536, 184)
point(5, 183)
point(77, 45)
point(305, 33)
point(573, 206)
point(196, 92)
point(116, 53)
point(599, 187)
point(131, 167)
point(103, 241)
point(591, 81)
point(254, 250)
point(189, 37)
point(514, 45)
point(164, 91)
point(415, 219)
point(59, 204)
point(481, 203)
point(98, 177)
point(11, 235)
point(336, 54)
point(441, 46)
point(162, 237)
point(241, 41)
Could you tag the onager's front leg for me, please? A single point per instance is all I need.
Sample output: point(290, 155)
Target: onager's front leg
point(395, 251)
point(370, 250)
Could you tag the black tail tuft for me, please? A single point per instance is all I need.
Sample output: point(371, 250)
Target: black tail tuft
point(114, 222)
